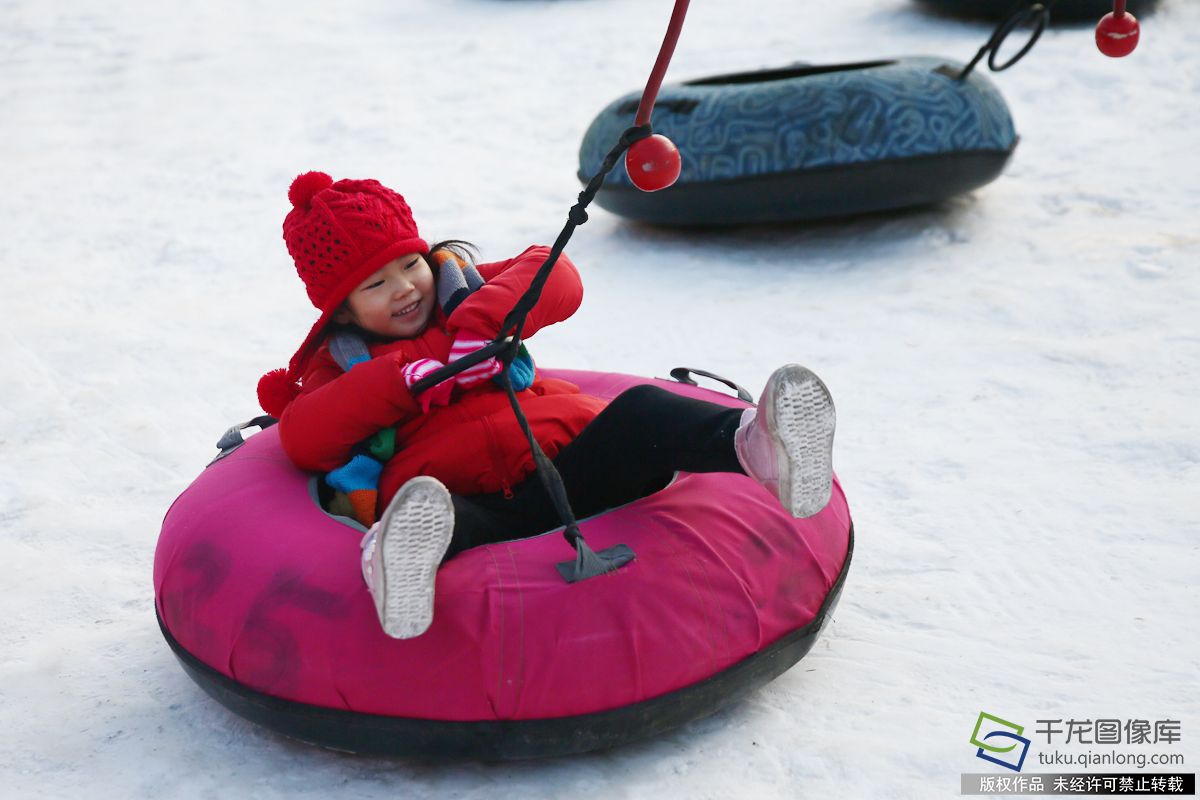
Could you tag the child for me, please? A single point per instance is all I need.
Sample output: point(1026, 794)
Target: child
point(460, 472)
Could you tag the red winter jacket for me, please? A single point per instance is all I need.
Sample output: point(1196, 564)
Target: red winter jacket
point(472, 445)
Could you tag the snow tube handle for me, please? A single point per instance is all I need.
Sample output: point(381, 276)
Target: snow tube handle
point(232, 439)
point(683, 375)
point(589, 563)
point(1037, 12)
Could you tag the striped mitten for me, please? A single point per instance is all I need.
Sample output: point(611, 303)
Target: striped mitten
point(434, 395)
point(465, 343)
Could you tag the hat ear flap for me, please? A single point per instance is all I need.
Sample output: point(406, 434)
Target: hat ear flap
point(276, 390)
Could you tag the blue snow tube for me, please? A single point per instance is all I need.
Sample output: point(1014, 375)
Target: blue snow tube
point(807, 142)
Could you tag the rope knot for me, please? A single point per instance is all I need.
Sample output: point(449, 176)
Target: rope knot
point(578, 215)
point(635, 134)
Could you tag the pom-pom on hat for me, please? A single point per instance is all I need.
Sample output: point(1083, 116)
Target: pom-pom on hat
point(338, 233)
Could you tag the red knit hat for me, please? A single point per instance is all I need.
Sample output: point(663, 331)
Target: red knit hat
point(338, 234)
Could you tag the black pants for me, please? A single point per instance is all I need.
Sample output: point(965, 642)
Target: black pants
point(631, 449)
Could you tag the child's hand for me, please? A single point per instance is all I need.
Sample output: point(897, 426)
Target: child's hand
point(521, 371)
point(434, 395)
point(466, 342)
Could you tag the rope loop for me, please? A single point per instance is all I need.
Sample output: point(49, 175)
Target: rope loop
point(1035, 11)
point(1039, 15)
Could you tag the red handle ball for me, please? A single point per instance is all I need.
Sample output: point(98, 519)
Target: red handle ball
point(1117, 34)
point(653, 163)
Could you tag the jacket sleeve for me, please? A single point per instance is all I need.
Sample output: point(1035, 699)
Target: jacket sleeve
point(484, 311)
point(336, 410)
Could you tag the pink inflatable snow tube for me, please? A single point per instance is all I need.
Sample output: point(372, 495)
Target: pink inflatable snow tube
point(259, 593)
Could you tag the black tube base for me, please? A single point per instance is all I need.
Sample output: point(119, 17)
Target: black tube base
point(1074, 11)
point(810, 194)
point(377, 735)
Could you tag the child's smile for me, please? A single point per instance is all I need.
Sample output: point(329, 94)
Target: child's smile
point(407, 309)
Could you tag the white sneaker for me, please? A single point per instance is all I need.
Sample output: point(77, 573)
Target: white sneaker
point(401, 554)
point(786, 443)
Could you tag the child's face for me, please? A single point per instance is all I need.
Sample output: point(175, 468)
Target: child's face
point(396, 301)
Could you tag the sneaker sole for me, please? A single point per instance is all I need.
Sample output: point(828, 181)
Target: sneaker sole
point(801, 419)
point(415, 530)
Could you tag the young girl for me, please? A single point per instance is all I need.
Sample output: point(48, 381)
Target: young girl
point(458, 472)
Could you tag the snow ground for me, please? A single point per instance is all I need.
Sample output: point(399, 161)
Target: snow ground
point(1015, 371)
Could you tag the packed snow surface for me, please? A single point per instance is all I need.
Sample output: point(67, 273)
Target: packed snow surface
point(1015, 371)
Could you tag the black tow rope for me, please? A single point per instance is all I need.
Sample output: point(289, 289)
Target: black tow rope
point(588, 563)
